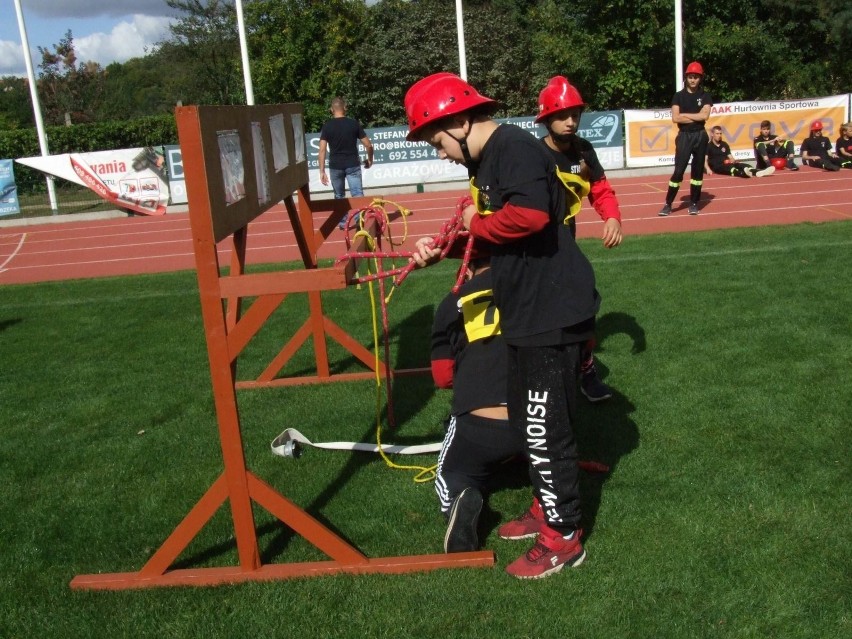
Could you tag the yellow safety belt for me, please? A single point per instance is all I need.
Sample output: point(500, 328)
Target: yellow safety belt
point(577, 188)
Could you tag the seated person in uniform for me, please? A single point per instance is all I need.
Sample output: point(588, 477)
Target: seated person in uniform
point(843, 146)
point(720, 160)
point(768, 145)
point(817, 150)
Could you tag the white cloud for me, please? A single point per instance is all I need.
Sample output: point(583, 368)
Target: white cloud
point(89, 9)
point(126, 40)
point(11, 58)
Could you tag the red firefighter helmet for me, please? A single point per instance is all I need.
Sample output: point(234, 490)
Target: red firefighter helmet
point(558, 95)
point(694, 67)
point(438, 96)
point(779, 163)
point(816, 125)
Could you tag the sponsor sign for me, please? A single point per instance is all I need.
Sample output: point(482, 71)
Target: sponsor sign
point(177, 179)
point(8, 189)
point(133, 179)
point(650, 134)
point(397, 161)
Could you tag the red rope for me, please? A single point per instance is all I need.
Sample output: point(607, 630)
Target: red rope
point(450, 232)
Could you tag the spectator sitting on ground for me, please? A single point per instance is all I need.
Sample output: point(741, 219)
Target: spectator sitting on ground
point(817, 151)
point(768, 146)
point(843, 146)
point(719, 159)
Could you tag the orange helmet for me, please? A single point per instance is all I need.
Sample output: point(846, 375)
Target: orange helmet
point(694, 67)
point(437, 96)
point(816, 125)
point(558, 95)
point(779, 163)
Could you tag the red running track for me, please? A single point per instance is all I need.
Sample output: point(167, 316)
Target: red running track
point(129, 246)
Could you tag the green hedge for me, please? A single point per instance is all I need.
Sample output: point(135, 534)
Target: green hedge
point(82, 138)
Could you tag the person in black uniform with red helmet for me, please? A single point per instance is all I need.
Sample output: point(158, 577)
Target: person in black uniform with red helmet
point(720, 160)
point(560, 106)
point(690, 111)
point(470, 356)
point(544, 289)
point(817, 150)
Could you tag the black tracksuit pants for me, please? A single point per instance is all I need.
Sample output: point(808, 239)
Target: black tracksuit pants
point(542, 406)
point(688, 144)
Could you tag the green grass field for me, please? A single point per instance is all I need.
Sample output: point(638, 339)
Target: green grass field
point(727, 512)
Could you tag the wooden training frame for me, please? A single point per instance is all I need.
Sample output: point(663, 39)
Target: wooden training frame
point(239, 161)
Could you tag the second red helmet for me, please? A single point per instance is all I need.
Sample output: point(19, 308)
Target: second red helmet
point(695, 67)
point(559, 94)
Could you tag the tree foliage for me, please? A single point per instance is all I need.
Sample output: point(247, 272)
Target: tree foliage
point(203, 53)
point(16, 110)
point(302, 50)
point(68, 90)
point(619, 53)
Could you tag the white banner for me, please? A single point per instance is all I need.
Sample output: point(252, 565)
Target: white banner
point(650, 134)
point(132, 179)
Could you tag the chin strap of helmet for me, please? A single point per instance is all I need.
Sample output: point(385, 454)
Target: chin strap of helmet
point(469, 162)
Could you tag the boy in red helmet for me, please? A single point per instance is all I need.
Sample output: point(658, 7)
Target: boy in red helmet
point(690, 111)
point(817, 150)
point(544, 290)
point(769, 146)
point(560, 106)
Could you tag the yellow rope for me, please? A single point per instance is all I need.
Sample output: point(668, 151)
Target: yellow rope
point(426, 473)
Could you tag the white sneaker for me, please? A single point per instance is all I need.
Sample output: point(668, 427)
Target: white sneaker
point(769, 170)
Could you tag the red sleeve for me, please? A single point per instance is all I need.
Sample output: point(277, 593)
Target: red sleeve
point(602, 197)
point(508, 224)
point(442, 372)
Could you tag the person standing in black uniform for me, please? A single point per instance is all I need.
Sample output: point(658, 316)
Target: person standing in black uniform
point(544, 289)
point(690, 111)
point(560, 106)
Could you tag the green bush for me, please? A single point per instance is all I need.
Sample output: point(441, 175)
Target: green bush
point(82, 138)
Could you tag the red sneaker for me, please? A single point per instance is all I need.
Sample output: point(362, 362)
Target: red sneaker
point(548, 555)
point(527, 525)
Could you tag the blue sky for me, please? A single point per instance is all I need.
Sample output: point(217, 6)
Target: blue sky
point(104, 31)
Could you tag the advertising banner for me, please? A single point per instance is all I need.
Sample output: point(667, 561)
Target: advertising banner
point(177, 179)
point(8, 189)
point(651, 134)
point(133, 179)
point(397, 161)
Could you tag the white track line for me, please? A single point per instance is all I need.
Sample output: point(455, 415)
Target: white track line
point(14, 253)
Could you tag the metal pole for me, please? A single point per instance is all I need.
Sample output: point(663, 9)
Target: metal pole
point(678, 45)
point(42, 138)
point(241, 27)
point(460, 30)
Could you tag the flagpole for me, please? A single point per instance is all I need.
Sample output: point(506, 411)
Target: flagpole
point(460, 31)
point(42, 138)
point(678, 45)
point(241, 27)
